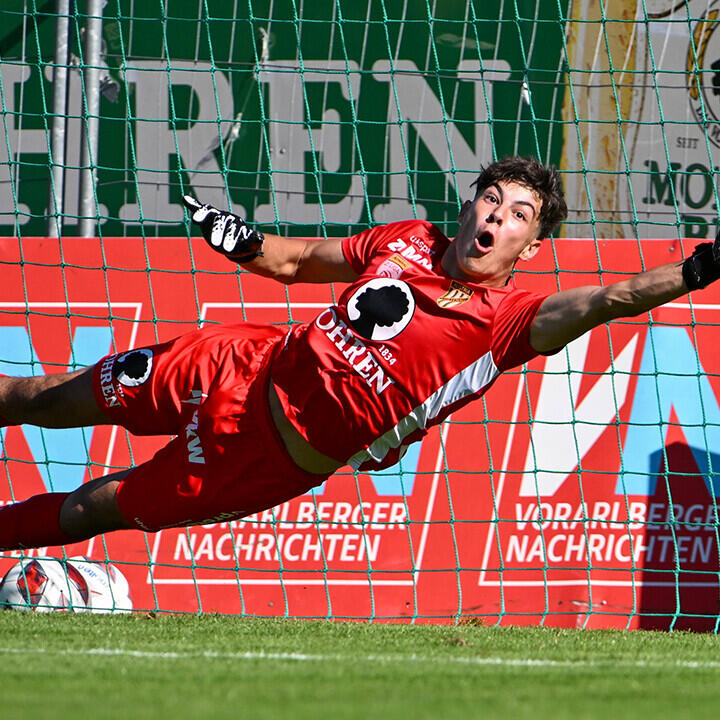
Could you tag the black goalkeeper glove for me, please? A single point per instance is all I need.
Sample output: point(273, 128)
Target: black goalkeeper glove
point(225, 232)
point(703, 266)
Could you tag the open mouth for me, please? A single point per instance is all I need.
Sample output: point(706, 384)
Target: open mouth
point(484, 240)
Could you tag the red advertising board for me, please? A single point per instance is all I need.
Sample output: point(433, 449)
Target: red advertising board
point(581, 491)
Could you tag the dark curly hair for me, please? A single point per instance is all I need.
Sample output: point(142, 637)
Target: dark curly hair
point(528, 171)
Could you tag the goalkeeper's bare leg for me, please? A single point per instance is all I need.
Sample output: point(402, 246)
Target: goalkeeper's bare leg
point(62, 400)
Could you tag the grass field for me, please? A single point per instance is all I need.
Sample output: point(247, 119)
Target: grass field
point(90, 666)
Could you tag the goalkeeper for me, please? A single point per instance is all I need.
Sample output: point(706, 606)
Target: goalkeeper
point(261, 415)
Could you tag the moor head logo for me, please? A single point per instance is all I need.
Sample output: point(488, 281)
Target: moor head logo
point(381, 308)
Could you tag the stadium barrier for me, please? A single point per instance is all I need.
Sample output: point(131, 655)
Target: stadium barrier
point(582, 490)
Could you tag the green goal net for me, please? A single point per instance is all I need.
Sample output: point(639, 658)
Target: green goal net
point(581, 491)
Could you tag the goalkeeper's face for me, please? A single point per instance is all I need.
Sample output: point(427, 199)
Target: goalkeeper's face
point(498, 228)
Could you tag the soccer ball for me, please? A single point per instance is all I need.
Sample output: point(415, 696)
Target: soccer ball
point(44, 585)
point(109, 591)
point(74, 585)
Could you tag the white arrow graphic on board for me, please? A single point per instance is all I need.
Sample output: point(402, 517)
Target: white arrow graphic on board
point(564, 431)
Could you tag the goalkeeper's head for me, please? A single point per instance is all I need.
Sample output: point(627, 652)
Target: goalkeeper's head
point(541, 179)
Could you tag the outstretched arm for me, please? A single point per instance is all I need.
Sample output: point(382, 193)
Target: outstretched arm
point(293, 260)
point(566, 315)
point(287, 260)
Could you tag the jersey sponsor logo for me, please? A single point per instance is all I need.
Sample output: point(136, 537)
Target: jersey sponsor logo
point(381, 308)
point(141, 524)
point(393, 267)
point(355, 351)
point(133, 368)
point(411, 252)
point(421, 244)
point(195, 451)
point(457, 294)
point(222, 517)
point(107, 386)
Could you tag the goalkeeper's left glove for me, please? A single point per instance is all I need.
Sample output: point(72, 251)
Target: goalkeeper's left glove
point(225, 232)
point(703, 266)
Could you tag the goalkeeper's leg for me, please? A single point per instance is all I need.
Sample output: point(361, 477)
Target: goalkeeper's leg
point(63, 518)
point(63, 400)
point(57, 401)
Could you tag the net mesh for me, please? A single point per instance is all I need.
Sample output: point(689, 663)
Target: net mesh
point(583, 491)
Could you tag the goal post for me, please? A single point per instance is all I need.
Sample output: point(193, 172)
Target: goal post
point(581, 491)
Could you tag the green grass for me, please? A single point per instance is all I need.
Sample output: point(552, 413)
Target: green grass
point(134, 667)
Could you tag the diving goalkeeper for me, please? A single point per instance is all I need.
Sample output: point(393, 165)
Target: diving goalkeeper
point(261, 415)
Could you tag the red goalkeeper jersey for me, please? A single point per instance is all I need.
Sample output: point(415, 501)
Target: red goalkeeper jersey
point(405, 346)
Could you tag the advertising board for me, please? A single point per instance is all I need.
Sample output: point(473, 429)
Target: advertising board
point(580, 491)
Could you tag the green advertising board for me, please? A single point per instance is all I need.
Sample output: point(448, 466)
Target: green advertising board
point(315, 118)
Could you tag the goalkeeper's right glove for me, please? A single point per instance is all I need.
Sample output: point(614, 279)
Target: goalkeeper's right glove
point(703, 266)
point(225, 232)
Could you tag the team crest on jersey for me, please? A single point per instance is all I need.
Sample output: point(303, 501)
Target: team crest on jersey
point(457, 294)
point(393, 266)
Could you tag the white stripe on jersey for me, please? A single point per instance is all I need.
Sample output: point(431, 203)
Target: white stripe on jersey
point(468, 381)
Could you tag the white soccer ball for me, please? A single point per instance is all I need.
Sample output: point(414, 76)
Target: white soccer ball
point(74, 585)
point(44, 585)
point(109, 591)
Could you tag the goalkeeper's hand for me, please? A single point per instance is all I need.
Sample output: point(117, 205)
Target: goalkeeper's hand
point(225, 232)
point(703, 266)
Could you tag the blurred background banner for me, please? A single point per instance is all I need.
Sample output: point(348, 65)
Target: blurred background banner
point(642, 118)
point(320, 117)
